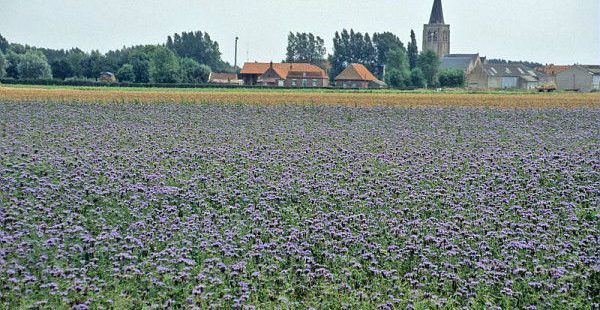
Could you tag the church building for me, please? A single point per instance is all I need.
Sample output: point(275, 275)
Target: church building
point(436, 34)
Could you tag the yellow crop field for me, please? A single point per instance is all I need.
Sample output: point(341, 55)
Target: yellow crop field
point(116, 95)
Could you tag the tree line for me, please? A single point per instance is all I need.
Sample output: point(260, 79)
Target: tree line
point(188, 57)
point(384, 54)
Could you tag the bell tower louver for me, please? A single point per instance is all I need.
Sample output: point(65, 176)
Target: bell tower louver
point(436, 34)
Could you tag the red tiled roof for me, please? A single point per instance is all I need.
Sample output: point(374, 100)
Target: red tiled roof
point(553, 70)
point(284, 69)
point(356, 72)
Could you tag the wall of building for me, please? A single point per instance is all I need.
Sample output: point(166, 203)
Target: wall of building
point(574, 79)
point(439, 44)
point(306, 83)
point(352, 84)
point(477, 79)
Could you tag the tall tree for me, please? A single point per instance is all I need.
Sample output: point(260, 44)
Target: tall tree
point(352, 47)
point(198, 46)
point(429, 63)
point(305, 48)
point(164, 66)
point(33, 65)
point(384, 43)
point(413, 50)
point(397, 69)
point(4, 45)
point(93, 64)
point(140, 61)
point(2, 65)
point(61, 69)
point(12, 63)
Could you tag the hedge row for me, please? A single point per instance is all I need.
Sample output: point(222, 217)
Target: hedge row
point(119, 84)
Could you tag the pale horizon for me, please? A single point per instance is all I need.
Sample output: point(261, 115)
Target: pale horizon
point(542, 31)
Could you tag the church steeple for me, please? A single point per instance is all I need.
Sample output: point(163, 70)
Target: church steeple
point(437, 13)
point(436, 34)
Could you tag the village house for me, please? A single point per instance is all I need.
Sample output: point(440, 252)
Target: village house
point(579, 78)
point(284, 75)
point(224, 78)
point(358, 76)
point(512, 76)
point(470, 64)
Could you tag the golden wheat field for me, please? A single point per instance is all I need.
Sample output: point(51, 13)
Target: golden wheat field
point(117, 95)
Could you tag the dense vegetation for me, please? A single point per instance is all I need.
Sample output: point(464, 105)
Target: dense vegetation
point(295, 206)
point(186, 58)
point(189, 58)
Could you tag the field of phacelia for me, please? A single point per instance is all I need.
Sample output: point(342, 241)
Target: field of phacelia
point(215, 206)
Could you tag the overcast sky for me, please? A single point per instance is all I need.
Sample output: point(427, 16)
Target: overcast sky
point(548, 31)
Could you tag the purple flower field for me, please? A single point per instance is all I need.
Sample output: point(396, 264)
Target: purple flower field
point(113, 206)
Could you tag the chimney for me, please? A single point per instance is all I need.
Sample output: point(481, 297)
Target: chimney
point(271, 65)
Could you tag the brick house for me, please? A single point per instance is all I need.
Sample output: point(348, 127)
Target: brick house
point(357, 76)
point(284, 75)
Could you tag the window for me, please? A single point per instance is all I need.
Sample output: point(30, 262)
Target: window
point(354, 85)
point(315, 83)
point(304, 83)
point(293, 83)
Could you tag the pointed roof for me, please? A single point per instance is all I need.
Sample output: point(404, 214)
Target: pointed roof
point(283, 69)
point(356, 72)
point(437, 13)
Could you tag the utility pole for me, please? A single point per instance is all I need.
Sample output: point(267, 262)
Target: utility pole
point(236, 50)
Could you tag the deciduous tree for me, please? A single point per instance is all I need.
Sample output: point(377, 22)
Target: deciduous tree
point(306, 48)
point(33, 65)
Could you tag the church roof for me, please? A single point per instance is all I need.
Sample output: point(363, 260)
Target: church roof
point(437, 13)
point(458, 61)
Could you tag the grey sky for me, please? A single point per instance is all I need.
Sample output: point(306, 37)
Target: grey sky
point(549, 31)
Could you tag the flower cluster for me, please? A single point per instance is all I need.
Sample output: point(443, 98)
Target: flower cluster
point(298, 206)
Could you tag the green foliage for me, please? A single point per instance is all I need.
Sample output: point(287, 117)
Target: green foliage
point(126, 74)
point(34, 65)
point(61, 69)
point(413, 51)
point(198, 46)
point(2, 65)
point(93, 64)
point(417, 78)
point(140, 61)
point(12, 63)
point(75, 58)
point(397, 78)
point(429, 63)
point(305, 48)
point(4, 45)
point(193, 72)
point(384, 43)
point(163, 66)
point(352, 47)
point(397, 70)
point(451, 78)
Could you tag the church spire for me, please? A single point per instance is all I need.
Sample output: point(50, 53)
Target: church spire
point(437, 13)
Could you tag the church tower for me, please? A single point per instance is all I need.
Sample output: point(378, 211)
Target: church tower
point(436, 34)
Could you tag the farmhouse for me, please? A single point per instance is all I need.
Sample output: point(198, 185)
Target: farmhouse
point(471, 65)
point(512, 76)
point(358, 76)
point(284, 75)
point(579, 78)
